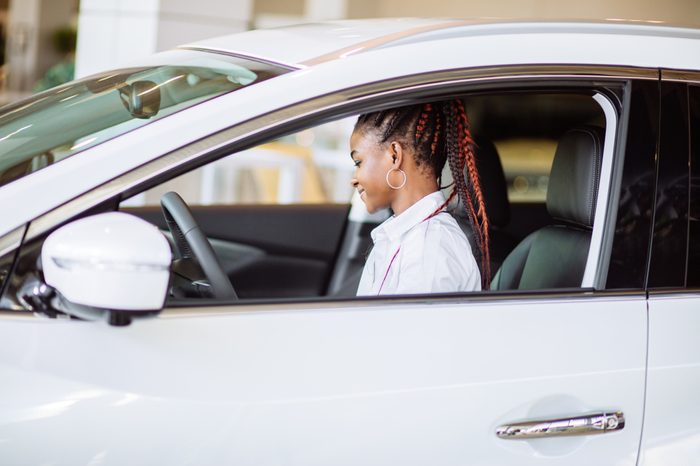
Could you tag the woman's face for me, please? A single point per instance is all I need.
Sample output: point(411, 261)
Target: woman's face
point(372, 163)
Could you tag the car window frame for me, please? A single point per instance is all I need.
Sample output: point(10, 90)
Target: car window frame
point(679, 81)
point(346, 102)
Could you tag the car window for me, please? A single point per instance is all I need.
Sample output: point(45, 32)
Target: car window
point(65, 120)
point(312, 243)
point(667, 267)
point(307, 167)
point(252, 202)
point(525, 130)
point(527, 145)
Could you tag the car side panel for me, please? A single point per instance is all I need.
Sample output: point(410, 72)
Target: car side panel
point(365, 382)
point(671, 429)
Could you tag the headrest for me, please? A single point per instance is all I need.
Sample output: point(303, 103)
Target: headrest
point(573, 181)
point(493, 184)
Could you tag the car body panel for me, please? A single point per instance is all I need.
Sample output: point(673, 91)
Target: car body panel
point(309, 42)
point(671, 434)
point(315, 43)
point(356, 382)
point(671, 431)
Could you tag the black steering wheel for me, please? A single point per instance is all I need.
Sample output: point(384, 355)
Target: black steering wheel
point(192, 244)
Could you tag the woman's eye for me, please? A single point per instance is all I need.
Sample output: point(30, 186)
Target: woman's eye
point(356, 163)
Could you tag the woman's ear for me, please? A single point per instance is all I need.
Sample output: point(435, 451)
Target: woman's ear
point(396, 152)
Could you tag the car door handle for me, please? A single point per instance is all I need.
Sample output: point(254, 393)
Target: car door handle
point(599, 423)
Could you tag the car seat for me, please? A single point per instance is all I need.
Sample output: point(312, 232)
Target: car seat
point(495, 192)
point(555, 256)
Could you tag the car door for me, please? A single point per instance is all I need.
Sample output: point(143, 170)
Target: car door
point(670, 426)
point(411, 380)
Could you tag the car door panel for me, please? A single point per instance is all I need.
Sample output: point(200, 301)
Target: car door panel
point(349, 383)
point(671, 431)
point(424, 380)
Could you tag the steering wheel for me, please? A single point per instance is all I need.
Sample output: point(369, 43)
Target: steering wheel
point(191, 243)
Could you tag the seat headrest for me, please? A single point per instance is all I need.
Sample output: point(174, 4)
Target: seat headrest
point(493, 184)
point(573, 181)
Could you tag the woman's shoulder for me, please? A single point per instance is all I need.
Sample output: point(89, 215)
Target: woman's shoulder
point(438, 248)
point(445, 223)
point(440, 231)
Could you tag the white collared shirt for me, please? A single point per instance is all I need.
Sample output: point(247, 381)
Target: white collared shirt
point(434, 255)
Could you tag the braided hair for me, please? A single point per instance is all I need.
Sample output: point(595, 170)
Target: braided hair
point(439, 133)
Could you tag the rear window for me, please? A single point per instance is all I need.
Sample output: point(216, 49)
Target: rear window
point(58, 123)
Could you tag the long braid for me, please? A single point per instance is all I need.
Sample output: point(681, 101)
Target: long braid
point(456, 158)
point(472, 195)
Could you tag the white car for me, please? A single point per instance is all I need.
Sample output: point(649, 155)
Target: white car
point(239, 340)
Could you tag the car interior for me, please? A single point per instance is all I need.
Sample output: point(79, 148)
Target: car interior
point(540, 192)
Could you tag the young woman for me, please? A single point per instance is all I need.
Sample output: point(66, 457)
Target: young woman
point(399, 155)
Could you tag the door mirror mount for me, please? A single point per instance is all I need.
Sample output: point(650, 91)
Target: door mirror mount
point(111, 266)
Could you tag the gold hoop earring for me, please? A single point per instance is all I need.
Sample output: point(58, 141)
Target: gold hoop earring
point(403, 183)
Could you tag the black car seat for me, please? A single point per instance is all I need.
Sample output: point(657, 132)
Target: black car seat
point(555, 256)
point(495, 192)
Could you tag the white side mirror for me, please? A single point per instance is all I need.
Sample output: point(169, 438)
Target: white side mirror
point(112, 261)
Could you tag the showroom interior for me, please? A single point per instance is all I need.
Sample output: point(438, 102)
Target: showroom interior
point(35, 34)
point(342, 232)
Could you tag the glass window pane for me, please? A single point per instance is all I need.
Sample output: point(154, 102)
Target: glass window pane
point(693, 275)
point(308, 167)
point(63, 121)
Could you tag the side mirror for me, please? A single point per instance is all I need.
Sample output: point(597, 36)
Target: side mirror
point(111, 265)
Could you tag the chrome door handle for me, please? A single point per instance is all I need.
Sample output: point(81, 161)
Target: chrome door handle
point(599, 423)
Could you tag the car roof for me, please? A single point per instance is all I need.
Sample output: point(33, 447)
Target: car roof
point(314, 43)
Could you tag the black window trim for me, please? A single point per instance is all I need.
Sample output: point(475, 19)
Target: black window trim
point(690, 78)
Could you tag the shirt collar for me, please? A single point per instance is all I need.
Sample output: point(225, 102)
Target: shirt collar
point(395, 226)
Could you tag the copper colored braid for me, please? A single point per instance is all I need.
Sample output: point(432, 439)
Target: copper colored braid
point(460, 155)
point(422, 122)
point(481, 223)
point(467, 146)
point(436, 135)
point(456, 161)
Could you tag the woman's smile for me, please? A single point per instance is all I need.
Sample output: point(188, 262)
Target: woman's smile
point(371, 165)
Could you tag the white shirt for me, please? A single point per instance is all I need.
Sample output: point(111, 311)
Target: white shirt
point(434, 255)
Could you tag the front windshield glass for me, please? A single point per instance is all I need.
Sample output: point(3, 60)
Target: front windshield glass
point(60, 122)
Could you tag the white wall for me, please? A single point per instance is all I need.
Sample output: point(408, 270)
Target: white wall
point(114, 32)
point(30, 51)
point(685, 12)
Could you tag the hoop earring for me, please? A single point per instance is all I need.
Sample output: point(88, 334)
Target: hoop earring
point(403, 183)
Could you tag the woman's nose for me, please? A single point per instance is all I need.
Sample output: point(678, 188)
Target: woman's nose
point(354, 182)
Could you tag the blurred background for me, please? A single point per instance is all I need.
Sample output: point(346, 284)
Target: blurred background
point(44, 43)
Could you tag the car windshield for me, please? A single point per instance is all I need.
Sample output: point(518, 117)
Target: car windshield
point(60, 122)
